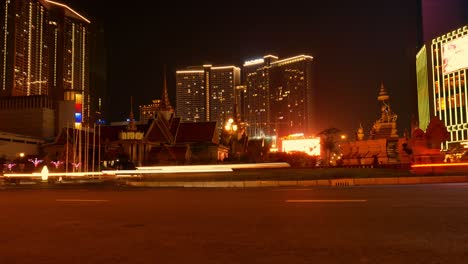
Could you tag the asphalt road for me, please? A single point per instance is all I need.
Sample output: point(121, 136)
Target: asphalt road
point(378, 224)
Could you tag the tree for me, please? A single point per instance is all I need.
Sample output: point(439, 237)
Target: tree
point(329, 142)
point(436, 133)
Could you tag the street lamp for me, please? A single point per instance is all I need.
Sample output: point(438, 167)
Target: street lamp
point(230, 126)
point(231, 138)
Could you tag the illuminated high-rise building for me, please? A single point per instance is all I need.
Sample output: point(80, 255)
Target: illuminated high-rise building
point(278, 97)
point(206, 93)
point(256, 107)
point(442, 84)
point(44, 52)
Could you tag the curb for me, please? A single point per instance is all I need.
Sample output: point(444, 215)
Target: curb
point(346, 182)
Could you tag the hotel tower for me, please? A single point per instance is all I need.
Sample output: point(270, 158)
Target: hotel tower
point(206, 93)
point(44, 65)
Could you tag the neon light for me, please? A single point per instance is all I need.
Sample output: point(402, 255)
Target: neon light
point(73, 11)
point(72, 80)
point(35, 161)
point(57, 163)
point(78, 118)
point(5, 46)
point(28, 78)
point(9, 166)
point(224, 67)
point(78, 108)
point(293, 59)
point(76, 165)
point(439, 165)
point(270, 56)
point(253, 62)
point(40, 50)
point(189, 71)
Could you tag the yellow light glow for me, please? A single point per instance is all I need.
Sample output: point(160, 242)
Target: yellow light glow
point(253, 62)
point(21, 154)
point(270, 56)
point(159, 171)
point(310, 146)
point(297, 135)
point(189, 71)
point(64, 174)
point(291, 59)
point(439, 165)
point(44, 173)
point(270, 165)
point(225, 67)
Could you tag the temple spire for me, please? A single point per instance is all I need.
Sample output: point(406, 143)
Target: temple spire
point(383, 95)
point(165, 103)
point(131, 123)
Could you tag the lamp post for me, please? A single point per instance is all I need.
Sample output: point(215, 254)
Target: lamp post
point(231, 130)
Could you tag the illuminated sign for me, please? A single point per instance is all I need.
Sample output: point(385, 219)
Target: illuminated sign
point(310, 146)
point(455, 55)
point(78, 118)
point(78, 108)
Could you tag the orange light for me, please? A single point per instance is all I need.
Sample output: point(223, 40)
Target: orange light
point(439, 165)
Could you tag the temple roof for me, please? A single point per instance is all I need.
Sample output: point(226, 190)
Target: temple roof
point(196, 132)
point(165, 102)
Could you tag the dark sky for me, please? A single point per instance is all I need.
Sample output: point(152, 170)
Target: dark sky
point(356, 45)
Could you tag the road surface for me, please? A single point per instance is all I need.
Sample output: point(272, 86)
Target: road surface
point(377, 224)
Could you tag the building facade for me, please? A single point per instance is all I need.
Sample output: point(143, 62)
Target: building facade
point(279, 96)
point(44, 51)
point(206, 93)
point(444, 63)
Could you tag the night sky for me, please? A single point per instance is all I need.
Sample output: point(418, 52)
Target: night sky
point(356, 45)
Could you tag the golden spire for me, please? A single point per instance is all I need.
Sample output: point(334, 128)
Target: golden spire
point(165, 103)
point(383, 95)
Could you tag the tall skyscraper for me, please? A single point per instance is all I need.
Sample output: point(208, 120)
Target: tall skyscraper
point(256, 106)
point(206, 93)
point(442, 84)
point(279, 96)
point(45, 52)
